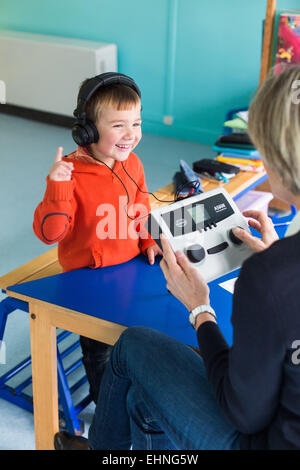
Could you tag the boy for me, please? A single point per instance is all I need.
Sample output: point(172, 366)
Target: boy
point(94, 195)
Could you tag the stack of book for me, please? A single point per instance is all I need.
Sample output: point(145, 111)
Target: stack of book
point(237, 148)
point(244, 164)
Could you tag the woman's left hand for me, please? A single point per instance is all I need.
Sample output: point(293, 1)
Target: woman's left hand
point(183, 280)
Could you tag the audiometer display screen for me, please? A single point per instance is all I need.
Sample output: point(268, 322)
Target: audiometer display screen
point(188, 218)
point(198, 213)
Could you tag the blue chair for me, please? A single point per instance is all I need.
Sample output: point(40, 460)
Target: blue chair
point(68, 412)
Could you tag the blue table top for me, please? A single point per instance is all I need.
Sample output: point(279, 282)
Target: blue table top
point(130, 294)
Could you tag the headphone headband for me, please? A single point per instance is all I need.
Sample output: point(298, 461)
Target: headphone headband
point(84, 131)
point(102, 80)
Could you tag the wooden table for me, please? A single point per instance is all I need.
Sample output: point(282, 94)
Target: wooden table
point(45, 317)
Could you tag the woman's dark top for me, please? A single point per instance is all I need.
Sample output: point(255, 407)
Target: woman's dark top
point(257, 380)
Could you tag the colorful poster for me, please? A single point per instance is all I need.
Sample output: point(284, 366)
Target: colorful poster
point(288, 42)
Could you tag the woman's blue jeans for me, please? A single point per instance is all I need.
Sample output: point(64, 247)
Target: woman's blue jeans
point(155, 395)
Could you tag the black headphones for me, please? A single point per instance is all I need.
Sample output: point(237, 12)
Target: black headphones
point(84, 131)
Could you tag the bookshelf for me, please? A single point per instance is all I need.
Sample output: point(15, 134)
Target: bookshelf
point(267, 40)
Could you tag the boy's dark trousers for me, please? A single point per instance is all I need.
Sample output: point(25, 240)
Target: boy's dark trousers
point(95, 357)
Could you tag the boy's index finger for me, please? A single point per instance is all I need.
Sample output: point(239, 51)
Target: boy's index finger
point(59, 155)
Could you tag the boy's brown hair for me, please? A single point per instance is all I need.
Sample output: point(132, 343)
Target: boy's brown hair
point(118, 96)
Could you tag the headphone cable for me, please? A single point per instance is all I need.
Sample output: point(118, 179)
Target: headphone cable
point(128, 199)
point(194, 185)
point(145, 192)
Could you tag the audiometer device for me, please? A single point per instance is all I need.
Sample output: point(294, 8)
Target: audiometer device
point(201, 227)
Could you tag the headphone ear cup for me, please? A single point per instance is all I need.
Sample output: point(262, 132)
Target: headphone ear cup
point(92, 131)
point(79, 134)
point(86, 134)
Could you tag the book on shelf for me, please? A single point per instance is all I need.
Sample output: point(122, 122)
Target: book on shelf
point(240, 144)
point(237, 152)
point(237, 125)
point(233, 140)
point(244, 116)
point(244, 164)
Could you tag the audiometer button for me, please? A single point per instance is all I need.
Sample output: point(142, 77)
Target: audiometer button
point(233, 238)
point(217, 248)
point(195, 253)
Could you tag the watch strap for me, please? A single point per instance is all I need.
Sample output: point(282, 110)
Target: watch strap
point(201, 309)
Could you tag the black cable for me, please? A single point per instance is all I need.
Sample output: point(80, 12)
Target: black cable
point(128, 199)
point(173, 200)
point(194, 184)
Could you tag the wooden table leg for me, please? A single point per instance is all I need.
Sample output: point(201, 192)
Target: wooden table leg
point(44, 377)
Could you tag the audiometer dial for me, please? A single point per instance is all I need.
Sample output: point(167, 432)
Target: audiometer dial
point(235, 240)
point(195, 253)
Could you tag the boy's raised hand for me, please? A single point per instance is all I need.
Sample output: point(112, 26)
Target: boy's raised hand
point(60, 170)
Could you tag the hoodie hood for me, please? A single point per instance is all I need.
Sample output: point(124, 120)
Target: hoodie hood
point(84, 163)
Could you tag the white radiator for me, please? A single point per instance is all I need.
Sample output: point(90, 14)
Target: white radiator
point(44, 72)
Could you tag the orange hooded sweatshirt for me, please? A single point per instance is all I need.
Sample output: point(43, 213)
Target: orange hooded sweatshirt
point(87, 215)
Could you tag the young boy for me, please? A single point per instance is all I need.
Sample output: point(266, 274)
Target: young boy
point(94, 195)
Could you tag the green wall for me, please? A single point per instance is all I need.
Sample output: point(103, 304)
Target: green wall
point(192, 59)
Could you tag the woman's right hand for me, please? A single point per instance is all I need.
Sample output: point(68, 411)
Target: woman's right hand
point(264, 225)
point(60, 170)
point(183, 280)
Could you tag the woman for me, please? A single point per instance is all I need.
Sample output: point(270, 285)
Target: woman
point(158, 393)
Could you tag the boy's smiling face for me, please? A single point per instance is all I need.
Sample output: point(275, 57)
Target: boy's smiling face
point(119, 131)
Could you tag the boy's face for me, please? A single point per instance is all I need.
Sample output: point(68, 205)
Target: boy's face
point(119, 131)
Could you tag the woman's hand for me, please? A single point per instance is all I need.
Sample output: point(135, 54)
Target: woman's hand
point(264, 225)
point(183, 280)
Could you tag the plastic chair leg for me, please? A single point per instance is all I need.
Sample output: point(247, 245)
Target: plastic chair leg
point(7, 306)
point(69, 414)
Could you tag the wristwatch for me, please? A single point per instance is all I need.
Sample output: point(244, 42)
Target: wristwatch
point(201, 309)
